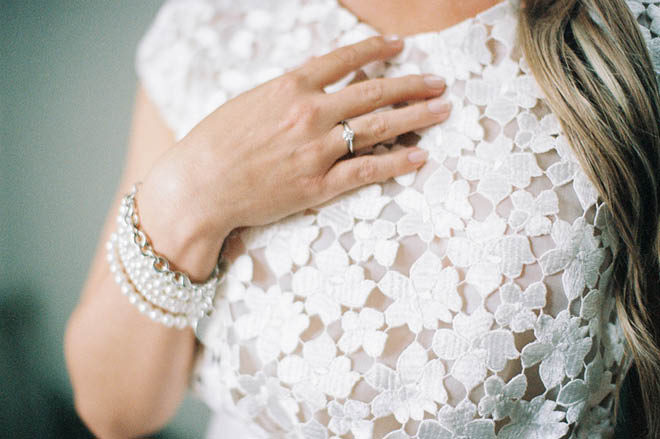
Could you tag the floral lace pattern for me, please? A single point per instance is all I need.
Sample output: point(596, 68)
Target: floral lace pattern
point(467, 299)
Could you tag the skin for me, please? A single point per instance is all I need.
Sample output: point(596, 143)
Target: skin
point(130, 374)
point(415, 16)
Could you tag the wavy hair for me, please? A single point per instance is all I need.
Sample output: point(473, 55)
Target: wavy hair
point(592, 63)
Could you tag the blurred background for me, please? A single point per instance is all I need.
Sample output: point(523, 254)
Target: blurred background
point(66, 97)
point(68, 84)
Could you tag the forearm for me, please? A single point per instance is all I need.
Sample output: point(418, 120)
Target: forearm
point(129, 374)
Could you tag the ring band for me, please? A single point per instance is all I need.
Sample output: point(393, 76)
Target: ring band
point(348, 136)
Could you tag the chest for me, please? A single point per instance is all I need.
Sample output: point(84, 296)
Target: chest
point(397, 300)
point(414, 16)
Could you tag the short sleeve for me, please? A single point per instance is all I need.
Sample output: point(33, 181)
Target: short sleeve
point(167, 58)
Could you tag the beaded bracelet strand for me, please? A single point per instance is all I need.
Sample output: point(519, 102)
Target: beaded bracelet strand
point(145, 277)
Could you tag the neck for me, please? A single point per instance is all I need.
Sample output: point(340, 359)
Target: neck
point(406, 17)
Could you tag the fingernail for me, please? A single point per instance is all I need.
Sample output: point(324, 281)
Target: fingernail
point(438, 105)
point(392, 39)
point(434, 81)
point(418, 156)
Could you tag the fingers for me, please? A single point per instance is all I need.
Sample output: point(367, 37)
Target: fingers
point(369, 95)
point(349, 174)
point(333, 66)
point(377, 127)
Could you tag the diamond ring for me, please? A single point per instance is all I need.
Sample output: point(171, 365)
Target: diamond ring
point(348, 136)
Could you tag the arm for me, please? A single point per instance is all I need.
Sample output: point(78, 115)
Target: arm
point(128, 373)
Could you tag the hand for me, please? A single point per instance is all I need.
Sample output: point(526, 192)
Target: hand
point(275, 150)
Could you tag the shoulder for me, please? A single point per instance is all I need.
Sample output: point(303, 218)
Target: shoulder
point(196, 54)
point(165, 54)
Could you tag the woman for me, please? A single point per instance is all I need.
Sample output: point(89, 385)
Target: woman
point(483, 292)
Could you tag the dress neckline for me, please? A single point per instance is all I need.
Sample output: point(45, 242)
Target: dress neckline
point(501, 4)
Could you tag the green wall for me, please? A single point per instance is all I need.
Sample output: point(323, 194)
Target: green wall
point(68, 84)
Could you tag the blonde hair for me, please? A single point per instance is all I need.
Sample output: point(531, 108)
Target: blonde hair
point(592, 63)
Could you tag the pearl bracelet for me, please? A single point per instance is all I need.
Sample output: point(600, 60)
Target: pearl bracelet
point(145, 277)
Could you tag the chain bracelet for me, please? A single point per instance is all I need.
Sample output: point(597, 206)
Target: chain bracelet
point(147, 279)
point(160, 264)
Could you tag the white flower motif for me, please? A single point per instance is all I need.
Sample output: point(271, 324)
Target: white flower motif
point(319, 372)
point(561, 347)
point(513, 252)
point(431, 140)
point(457, 133)
point(519, 168)
point(457, 423)
point(474, 347)
point(502, 91)
point(439, 210)
point(605, 223)
point(595, 424)
point(564, 149)
point(534, 419)
point(517, 308)
point(287, 242)
point(614, 343)
point(488, 155)
point(592, 310)
point(496, 179)
point(489, 256)
point(350, 416)
point(531, 213)
point(457, 53)
point(486, 164)
point(574, 395)
point(653, 11)
point(567, 167)
point(426, 297)
point(461, 128)
point(585, 190)
point(265, 394)
point(332, 284)
point(500, 398)
point(476, 43)
point(493, 152)
point(538, 136)
point(562, 172)
point(215, 375)
point(275, 319)
point(311, 429)
point(577, 253)
point(447, 201)
point(504, 22)
point(335, 21)
point(240, 272)
point(362, 330)
point(374, 239)
point(411, 390)
point(364, 203)
point(477, 252)
point(416, 219)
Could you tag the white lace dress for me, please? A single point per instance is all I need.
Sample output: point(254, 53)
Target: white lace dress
point(468, 299)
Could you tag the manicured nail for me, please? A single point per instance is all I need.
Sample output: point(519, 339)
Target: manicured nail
point(434, 81)
point(438, 105)
point(418, 156)
point(392, 39)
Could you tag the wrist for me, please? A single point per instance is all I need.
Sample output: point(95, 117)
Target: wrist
point(177, 230)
